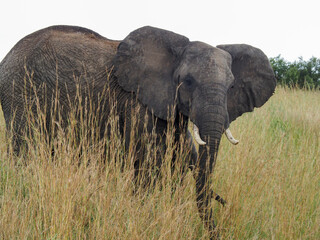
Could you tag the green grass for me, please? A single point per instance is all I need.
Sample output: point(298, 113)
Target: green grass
point(271, 181)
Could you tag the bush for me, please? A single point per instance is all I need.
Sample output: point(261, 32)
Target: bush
point(301, 74)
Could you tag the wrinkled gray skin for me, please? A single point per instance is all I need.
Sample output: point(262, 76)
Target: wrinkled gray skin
point(216, 84)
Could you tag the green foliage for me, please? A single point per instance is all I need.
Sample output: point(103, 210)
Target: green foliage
point(301, 73)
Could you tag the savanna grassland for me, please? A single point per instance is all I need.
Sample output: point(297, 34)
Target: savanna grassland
point(271, 181)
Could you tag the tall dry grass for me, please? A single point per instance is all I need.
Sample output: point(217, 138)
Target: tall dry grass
point(270, 180)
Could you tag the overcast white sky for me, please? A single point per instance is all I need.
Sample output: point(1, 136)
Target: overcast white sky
point(286, 27)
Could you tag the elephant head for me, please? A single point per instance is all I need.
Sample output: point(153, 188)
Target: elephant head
point(211, 86)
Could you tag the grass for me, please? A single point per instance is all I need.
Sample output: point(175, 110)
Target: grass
point(270, 180)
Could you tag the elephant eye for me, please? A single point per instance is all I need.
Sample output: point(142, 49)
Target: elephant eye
point(188, 80)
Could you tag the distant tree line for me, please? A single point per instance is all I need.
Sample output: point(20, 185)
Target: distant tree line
point(297, 74)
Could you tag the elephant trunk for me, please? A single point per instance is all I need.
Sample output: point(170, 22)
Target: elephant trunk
point(208, 152)
point(212, 121)
point(211, 130)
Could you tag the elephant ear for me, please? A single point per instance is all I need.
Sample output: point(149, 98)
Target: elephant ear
point(255, 81)
point(144, 64)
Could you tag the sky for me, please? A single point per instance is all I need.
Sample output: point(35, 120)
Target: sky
point(286, 27)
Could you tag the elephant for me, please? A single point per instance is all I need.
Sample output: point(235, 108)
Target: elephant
point(163, 73)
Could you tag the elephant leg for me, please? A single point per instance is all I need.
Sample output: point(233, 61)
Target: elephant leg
point(15, 135)
point(145, 169)
point(17, 143)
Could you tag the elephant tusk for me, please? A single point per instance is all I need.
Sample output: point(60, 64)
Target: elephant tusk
point(197, 135)
point(230, 137)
